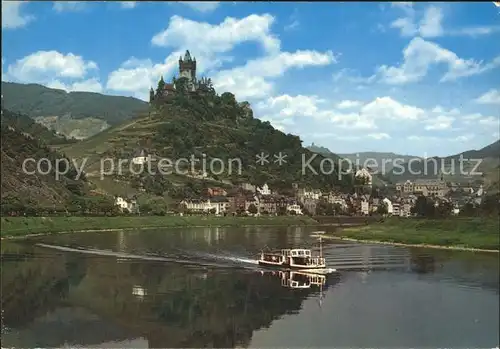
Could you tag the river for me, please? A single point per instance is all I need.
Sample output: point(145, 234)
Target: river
point(201, 288)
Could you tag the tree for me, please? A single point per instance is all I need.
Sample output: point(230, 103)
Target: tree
point(252, 209)
point(424, 207)
point(161, 85)
point(382, 209)
point(444, 209)
point(228, 98)
point(281, 211)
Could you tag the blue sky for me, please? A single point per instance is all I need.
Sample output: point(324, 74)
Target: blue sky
point(412, 78)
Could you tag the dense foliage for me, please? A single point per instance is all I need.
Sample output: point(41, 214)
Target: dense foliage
point(26, 193)
point(212, 126)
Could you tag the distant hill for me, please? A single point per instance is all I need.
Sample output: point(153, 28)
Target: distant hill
point(376, 160)
point(378, 179)
point(487, 157)
point(74, 114)
point(217, 126)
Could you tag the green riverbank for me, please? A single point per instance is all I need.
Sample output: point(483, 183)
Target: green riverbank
point(457, 233)
point(22, 226)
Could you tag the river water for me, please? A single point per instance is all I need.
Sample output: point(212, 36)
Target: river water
point(201, 288)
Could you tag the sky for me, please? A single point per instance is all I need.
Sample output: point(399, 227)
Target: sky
point(420, 79)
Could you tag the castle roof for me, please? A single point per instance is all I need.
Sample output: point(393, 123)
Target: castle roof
point(169, 87)
point(187, 57)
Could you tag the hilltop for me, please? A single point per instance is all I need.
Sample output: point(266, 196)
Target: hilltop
point(73, 114)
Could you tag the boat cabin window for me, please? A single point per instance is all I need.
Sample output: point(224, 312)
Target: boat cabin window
point(301, 253)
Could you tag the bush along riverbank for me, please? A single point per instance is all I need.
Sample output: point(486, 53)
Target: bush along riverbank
point(23, 226)
point(457, 233)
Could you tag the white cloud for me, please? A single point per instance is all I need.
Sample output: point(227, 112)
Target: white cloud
point(388, 108)
point(439, 140)
point(379, 136)
point(43, 65)
point(286, 106)
point(490, 121)
point(137, 76)
point(293, 21)
point(441, 122)
point(90, 85)
point(244, 79)
point(128, 4)
point(348, 104)
point(475, 31)
point(12, 15)
point(406, 25)
point(202, 6)
point(490, 97)
point(69, 6)
point(208, 38)
point(365, 116)
point(430, 24)
point(420, 55)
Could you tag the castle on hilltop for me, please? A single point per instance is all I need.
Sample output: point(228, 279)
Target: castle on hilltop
point(186, 83)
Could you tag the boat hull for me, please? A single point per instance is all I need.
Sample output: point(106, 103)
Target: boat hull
point(290, 266)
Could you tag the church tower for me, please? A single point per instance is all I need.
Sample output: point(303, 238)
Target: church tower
point(187, 69)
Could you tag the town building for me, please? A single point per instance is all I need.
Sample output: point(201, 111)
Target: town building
point(141, 157)
point(390, 208)
point(425, 187)
point(294, 209)
point(217, 205)
point(127, 205)
point(264, 190)
point(216, 191)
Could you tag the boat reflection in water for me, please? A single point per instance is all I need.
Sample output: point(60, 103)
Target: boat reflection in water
point(298, 279)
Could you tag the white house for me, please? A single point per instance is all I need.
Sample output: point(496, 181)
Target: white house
point(126, 205)
point(264, 190)
point(365, 208)
point(388, 203)
point(363, 173)
point(314, 194)
point(220, 205)
point(141, 158)
point(294, 208)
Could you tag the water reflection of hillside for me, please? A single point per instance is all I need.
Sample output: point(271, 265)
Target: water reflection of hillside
point(464, 269)
point(60, 299)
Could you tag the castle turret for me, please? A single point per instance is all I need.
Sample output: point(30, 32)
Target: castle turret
point(151, 95)
point(187, 69)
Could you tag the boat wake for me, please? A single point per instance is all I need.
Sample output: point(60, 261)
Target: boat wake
point(199, 259)
point(230, 258)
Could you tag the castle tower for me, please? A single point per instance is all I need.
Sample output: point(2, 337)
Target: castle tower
point(187, 68)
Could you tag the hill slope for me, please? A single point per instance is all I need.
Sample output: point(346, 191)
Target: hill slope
point(30, 188)
point(27, 125)
point(206, 127)
point(80, 113)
